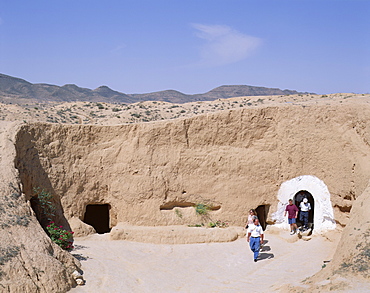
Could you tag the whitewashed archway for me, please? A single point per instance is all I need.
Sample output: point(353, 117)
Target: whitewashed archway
point(323, 215)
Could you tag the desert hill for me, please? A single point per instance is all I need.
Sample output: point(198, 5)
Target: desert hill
point(17, 90)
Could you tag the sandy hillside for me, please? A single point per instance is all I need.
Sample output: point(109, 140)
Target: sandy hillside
point(112, 114)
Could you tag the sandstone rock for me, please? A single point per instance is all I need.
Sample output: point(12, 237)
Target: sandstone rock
point(353, 253)
point(79, 228)
point(30, 261)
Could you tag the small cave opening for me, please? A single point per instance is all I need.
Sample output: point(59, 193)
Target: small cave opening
point(262, 212)
point(297, 200)
point(97, 215)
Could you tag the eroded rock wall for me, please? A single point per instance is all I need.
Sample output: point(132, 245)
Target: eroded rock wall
point(235, 160)
point(29, 261)
point(352, 256)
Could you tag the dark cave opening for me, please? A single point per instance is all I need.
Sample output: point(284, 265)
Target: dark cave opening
point(97, 215)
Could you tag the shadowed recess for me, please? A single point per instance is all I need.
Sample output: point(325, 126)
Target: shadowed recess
point(97, 215)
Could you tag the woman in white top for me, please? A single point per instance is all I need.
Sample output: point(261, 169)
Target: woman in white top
point(252, 215)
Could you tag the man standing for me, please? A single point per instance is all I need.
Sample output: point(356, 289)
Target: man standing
point(255, 237)
point(305, 208)
point(292, 216)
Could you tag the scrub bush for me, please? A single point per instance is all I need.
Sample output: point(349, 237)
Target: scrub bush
point(60, 236)
point(201, 209)
point(57, 234)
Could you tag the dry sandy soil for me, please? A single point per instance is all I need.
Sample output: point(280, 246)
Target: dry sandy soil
point(124, 266)
point(113, 114)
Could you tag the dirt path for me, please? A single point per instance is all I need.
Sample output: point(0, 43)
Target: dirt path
point(123, 266)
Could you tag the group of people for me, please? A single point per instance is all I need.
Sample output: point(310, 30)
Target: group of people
point(293, 210)
point(255, 230)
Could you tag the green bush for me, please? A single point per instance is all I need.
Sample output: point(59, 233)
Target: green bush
point(201, 209)
point(60, 236)
point(219, 224)
point(136, 115)
point(46, 204)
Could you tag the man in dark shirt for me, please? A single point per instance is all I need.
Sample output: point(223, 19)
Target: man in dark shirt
point(292, 216)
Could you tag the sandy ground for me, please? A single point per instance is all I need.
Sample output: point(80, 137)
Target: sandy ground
point(113, 114)
point(123, 266)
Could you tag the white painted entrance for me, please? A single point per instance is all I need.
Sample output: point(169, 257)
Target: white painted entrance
point(323, 219)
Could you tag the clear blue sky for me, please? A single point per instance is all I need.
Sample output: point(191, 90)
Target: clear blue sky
point(192, 46)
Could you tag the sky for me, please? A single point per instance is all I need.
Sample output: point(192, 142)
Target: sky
point(193, 46)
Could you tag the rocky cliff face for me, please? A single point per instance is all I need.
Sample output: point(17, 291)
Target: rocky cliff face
point(29, 261)
point(233, 160)
point(352, 256)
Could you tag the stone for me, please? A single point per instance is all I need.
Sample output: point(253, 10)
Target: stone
point(80, 282)
point(76, 275)
point(80, 228)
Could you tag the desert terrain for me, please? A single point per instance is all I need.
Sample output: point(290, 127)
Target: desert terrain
point(148, 160)
point(100, 113)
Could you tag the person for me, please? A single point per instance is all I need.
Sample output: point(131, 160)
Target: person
point(252, 215)
point(255, 237)
point(305, 208)
point(292, 216)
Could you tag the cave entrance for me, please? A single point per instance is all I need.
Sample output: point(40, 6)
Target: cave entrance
point(297, 199)
point(322, 216)
point(262, 212)
point(97, 215)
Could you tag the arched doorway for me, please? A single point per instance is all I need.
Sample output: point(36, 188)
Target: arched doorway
point(297, 199)
point(323, 216)
point(97, 215)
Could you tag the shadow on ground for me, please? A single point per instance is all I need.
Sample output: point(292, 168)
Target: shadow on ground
point(265, 256)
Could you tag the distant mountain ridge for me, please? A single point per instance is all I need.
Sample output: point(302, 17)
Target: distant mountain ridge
point(20, 90)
